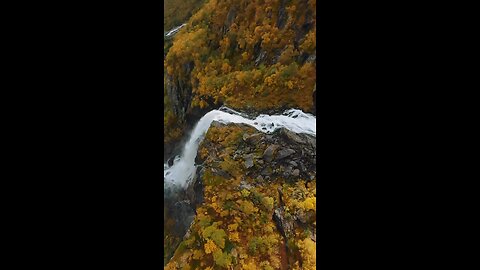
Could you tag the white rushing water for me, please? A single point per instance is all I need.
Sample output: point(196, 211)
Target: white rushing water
point(183, 168)
point(174, 30)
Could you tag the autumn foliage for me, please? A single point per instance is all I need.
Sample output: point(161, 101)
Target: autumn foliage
point(248, 54)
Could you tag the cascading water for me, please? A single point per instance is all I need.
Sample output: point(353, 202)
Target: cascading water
point(183, 169)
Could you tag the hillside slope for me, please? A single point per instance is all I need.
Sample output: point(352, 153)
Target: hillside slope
point(249, 55)
point(255, 202)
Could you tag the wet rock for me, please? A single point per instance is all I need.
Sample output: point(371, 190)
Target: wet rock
point(216, 124)
point(284, 153)
point(194, 191)
point(268, 153)
point(170, 161)
point(248, 161)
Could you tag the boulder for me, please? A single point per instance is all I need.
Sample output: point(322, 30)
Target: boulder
point(252, 139)
point(284, 153)
point(269, 152)
point(248, 161)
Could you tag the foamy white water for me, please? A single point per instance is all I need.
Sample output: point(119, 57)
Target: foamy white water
point(183, 169)
point(174, 30)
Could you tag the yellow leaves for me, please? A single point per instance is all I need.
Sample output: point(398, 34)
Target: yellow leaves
point(309, 43)
point(237, 220)
point(247, 207)
point(215, 207)
point(245, 56)
point(275, 261)
point(268, 203)
point(210, 247)
point(171, 266)
point(289, 85)
point(309, 203)
point(215, 234)
point(226, 68)
point(198, 254)
point(245, 193)
point(250, 266)
point(222, 259)
point(224, 44)
point(202, 104)
point(170, 70)
point(270, 80)
point(308, 251)
point(268, 229)
point(232, 227)
point(234, 237)
point(224, 213)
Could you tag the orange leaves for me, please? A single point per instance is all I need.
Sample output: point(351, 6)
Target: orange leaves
point(309, 42)
point(226, 68)
point(202, 104)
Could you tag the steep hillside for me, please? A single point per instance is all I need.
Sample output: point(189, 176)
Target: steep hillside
point(255, 202)
point(176, 12)
point(250, 55)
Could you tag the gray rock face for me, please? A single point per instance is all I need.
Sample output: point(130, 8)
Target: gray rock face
point(282, 15)
point(284, 225)
point(248, 161)
point(221, 173)
point(285, 153)
point(268, 154)
point(252, 139)
point(292, 136)
point(260, 58)
point(180, 93)
point(245, 185)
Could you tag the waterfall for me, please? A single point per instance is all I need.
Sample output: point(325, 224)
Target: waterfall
point(183, 169)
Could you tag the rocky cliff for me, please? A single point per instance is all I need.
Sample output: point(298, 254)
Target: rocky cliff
point(254, 198)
